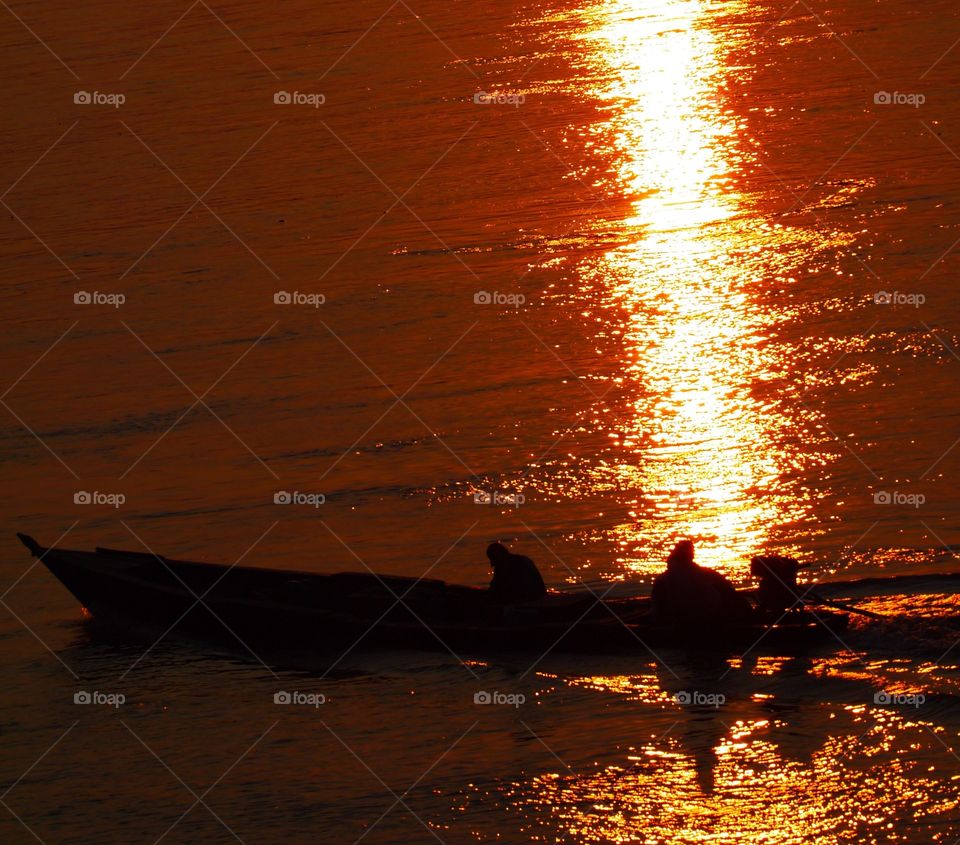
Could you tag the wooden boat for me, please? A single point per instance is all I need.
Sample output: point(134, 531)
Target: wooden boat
point(302, 612)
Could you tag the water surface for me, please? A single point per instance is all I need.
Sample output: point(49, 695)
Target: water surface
point(689, 278)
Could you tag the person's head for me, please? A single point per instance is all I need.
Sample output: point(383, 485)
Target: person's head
point(682, 556)
point(497, 553)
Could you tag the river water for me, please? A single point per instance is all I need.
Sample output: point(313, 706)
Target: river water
point(352, 286)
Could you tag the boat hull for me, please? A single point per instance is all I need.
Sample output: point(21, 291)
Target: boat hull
point(304, 613)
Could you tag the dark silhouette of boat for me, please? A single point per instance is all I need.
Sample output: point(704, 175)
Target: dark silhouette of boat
point(302, 612)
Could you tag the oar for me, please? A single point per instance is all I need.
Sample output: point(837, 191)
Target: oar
point(848, 607)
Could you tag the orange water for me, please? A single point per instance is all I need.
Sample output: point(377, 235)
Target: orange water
point(689, 217)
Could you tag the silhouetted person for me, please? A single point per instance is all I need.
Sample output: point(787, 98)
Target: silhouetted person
point(515, 577)
point(778, 590)
point(690, 594)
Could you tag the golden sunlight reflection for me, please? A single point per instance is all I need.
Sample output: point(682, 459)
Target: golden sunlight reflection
point(773, 749)
point(699, 444)
point(843, 766)
point(676, 791)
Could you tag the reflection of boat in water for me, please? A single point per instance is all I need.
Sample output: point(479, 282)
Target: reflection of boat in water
point(304, 612)
point(774, 698)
